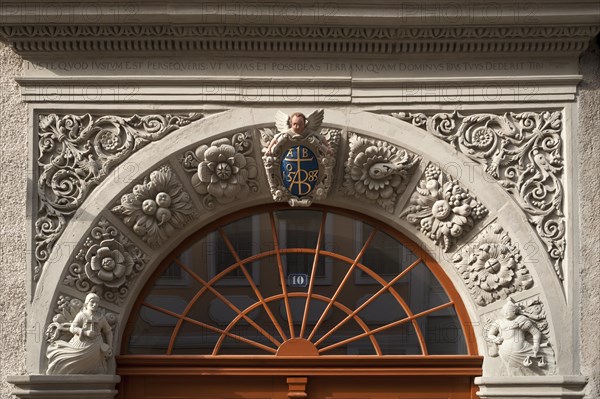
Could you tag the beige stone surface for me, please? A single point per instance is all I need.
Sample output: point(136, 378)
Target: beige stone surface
point(13, 188)
point(589, 196)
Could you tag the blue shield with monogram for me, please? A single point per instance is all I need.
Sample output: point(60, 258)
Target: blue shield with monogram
point(299, 170)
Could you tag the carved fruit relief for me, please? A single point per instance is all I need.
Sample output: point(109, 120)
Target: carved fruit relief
point(442, 209)
point(157, 208)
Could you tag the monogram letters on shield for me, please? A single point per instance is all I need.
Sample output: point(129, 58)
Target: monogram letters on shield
point(299, 159)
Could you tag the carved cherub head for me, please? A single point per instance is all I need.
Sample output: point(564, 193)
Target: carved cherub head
point(297, 122)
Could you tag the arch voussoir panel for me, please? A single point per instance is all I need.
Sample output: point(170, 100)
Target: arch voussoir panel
point(204, 179)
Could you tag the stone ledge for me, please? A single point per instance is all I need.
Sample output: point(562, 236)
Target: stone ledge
point(547, 387)
point(64, 386)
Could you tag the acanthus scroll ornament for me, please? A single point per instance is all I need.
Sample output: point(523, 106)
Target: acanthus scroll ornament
point(492, 266)
point(156, 208)
point(377, 171)
point(224, 171)
point(106, 264)
point(442, 209)
point(300, 158)
point(522, 151)
point(76, 153)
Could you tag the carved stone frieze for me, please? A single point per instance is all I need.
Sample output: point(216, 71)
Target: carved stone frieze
point(519, 335)
point(299, 158)
point(377, 171)
point(106, 263)
point(76, 153)
point(157, 208)
point(523, 152)
point(442, 209)
point(266, 39)
point(492, 266)
point(225, 171)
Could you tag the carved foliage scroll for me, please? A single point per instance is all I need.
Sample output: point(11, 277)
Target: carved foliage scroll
point(76, 153)
point(377, 171)
point(522, 151)
point(106, 263)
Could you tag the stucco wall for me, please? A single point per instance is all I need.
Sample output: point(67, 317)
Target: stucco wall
point(13, 230)
point(589, 195)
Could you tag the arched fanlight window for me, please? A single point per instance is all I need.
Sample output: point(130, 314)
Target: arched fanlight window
point(299, 282)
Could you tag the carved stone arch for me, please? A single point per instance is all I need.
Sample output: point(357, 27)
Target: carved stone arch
point(502, 211)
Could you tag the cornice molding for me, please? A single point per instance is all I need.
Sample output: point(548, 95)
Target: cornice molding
point(325, 40)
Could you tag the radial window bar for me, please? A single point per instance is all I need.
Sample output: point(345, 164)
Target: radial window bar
point(274, 341)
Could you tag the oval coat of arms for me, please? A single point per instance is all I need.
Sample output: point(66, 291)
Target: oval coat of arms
point(299, 170)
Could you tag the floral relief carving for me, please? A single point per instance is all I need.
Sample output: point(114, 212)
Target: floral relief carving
point(224, 171)
point(492, 266)
point(442, 209)
point(106, 263)
point(522, 151)
point(377, 171)
point(76, 153)
point(156, 208)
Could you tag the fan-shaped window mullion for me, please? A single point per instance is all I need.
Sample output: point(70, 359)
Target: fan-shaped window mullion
point(338, 305)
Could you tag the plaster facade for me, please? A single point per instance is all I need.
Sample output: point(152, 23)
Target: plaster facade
point(363, 107)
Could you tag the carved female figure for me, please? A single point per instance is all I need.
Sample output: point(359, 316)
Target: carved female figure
point(509, 336)
point(88, 350)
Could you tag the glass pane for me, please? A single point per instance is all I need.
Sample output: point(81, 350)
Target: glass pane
point(387, 257)
point(422, 290)
point(151, 333)
point(384, 309)
point(195, 340)
point(443, 333)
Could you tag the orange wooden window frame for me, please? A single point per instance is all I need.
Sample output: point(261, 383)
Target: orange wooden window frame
point(422, 256)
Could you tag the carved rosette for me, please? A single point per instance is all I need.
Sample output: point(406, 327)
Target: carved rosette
point(492, 267)
point(517, 337)
point(224, 171)
point(377, 171)
point(76, 153)
point(522, 151)
point(107, 263)
point(442, 209)
point(156, 208)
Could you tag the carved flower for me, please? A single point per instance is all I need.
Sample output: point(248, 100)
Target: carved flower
point(156, 208)
point(443, 210)
point(376, 170)
point(492, 267)
point(223, 172)
point(108, 263)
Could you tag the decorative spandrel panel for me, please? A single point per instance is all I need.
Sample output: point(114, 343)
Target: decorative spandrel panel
point(75, 154)
point(522, 152)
